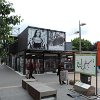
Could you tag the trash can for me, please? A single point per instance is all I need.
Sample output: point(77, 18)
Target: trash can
point(85, 78)
point(64, 75)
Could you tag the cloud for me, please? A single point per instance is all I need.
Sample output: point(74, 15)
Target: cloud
point(62, 15)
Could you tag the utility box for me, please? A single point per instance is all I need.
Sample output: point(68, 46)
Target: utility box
point(85, 78)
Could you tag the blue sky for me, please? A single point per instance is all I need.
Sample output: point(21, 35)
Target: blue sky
point(61, 15)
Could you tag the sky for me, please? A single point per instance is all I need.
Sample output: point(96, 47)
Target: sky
point(61, 15)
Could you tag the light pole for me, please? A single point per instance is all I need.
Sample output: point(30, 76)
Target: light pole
point(80, 24)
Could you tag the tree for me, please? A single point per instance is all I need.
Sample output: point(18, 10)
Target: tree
point(85, 44)
point(7, 21)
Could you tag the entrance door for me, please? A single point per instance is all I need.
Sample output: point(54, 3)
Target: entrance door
point(50, 63)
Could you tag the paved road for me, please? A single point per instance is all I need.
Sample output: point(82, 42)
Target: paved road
point(10, 85)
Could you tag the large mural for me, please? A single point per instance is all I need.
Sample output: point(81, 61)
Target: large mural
point(56, 40)
point(37, 38)
point(45, 39)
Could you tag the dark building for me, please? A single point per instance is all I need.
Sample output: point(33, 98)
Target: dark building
point(68, 46)
point(13, 50)
point(43, 46)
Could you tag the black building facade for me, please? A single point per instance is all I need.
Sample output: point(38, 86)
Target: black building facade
point(44, 46)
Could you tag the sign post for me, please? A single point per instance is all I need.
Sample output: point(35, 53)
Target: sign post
point(85, 64)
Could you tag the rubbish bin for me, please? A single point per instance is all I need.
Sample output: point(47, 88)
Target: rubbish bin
point(85, 78)
point(64, 75)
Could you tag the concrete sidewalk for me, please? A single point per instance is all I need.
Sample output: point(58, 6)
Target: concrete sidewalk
point(10, 85)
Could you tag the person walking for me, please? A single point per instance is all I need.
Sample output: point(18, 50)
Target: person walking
point(30, 69)
point(58, 73)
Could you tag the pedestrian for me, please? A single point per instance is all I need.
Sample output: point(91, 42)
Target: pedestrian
point(60, 73)
point(30, 68)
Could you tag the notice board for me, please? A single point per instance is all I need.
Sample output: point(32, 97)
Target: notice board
point(85, 63)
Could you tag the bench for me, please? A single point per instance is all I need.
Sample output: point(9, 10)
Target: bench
point(25, 81)
point(39, 91)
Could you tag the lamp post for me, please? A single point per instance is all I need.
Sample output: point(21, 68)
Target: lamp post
point(80, 24)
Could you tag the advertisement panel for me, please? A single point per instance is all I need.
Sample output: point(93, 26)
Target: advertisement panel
point(56, 40)
point(85, 63)
point(37, 38)
point(98, 54)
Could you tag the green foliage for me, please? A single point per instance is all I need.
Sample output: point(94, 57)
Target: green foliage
point(3, 53)
point(7, 21)
point(85, 44)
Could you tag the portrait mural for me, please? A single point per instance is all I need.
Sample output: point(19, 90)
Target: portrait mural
point(37, 38)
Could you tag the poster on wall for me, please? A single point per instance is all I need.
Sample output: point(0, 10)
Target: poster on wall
point(85, 63)
point(56, 40)
point(37, 38)
point(13, 62)
point(21, 64)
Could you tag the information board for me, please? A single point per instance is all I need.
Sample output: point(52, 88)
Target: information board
point(85, 63)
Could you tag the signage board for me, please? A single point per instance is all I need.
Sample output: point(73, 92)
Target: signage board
point(85, 63)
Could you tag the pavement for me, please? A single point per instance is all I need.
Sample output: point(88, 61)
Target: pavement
point(11, 86)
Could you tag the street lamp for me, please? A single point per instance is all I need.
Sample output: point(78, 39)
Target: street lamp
point(80, 24)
